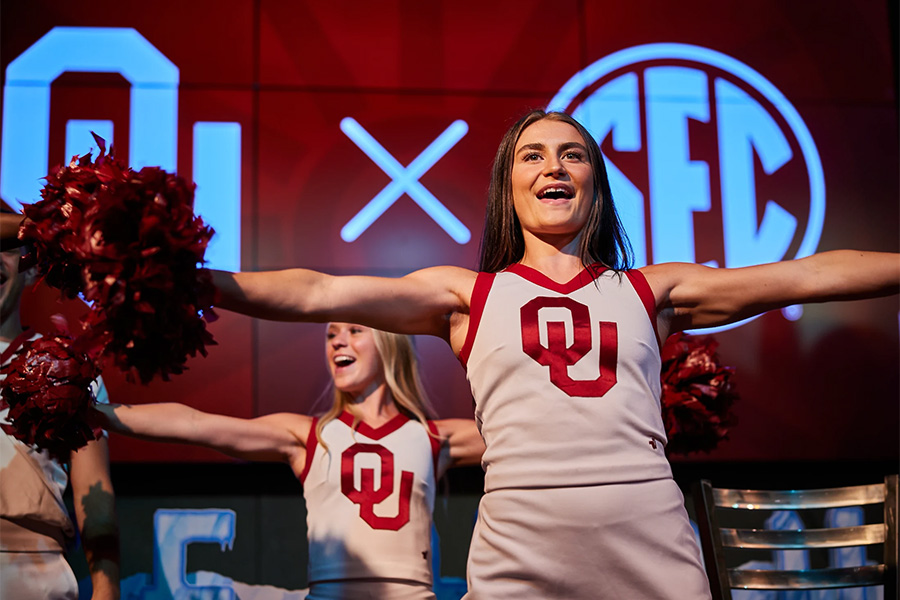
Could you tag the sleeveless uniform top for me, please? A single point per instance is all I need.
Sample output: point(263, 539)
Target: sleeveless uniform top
point(566, 379)
point(369, 500)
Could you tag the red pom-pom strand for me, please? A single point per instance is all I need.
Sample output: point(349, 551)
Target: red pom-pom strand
point(129, 242)
point(48, 391)
point(697, 394)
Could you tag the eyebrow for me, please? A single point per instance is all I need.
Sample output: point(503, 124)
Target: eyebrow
point(532, 146)
point(541, 146)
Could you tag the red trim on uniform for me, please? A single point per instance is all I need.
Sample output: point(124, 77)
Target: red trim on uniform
point(311, 443)
point(586, 276)
point(639, 282)
point(346, 417)
point(436, 442)
point(483, 283)
point(375, 433)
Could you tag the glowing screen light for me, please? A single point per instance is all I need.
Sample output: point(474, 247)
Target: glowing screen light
point(217, 173)
point(405, 180)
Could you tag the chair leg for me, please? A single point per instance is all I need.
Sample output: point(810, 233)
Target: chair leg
point(890, 547)
point(713, 552)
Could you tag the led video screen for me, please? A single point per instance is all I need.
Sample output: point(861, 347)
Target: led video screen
point(356, 137)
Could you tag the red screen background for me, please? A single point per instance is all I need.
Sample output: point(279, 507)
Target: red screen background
point(823, 387)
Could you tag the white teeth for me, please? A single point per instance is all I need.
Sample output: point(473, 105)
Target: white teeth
point(555, 190)
point(342, 361)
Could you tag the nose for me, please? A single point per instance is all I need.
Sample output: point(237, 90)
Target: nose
point(554, 167)
point(339, 340)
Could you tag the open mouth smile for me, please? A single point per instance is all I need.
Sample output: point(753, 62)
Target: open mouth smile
point(342, 360)
point(556, 192)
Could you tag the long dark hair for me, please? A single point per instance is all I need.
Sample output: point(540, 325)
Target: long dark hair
point(603, 238)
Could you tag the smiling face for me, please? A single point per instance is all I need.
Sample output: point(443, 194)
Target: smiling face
point(353, 358)
point(552, 181)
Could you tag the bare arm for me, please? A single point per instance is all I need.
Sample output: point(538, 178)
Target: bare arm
point(277, 437)
point(95, 512)
point(464, 441)
point(422, 302)
point(692, 296)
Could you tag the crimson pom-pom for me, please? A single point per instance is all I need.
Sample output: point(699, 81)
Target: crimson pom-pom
point(48, 391)
point(128, 242)
point(697, 394)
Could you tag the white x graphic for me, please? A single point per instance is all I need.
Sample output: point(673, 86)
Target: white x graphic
point(405, 179)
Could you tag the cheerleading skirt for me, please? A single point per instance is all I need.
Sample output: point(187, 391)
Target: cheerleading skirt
point(607, 542)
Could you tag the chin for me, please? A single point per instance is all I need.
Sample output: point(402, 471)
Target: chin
point(348, 387)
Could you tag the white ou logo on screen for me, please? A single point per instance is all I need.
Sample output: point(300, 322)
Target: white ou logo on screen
point(643, 98)
point(24, 158)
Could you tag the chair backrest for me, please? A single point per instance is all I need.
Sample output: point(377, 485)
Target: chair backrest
point(709, 501)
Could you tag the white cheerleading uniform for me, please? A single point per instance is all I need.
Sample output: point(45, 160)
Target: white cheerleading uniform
point(579, 497)
point(369, 500)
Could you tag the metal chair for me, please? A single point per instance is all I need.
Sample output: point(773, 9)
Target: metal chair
point(714, 539)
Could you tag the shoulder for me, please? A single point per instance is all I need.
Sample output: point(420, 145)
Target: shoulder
point(670, 270)
point(664, 277)
point(445, 427)
point(454, 284)
point(291, 420)
point(298, 425)
point(456, 278)
point(287, 418)
point(448, 428)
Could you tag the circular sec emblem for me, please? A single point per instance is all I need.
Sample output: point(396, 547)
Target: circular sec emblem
point(708, 161)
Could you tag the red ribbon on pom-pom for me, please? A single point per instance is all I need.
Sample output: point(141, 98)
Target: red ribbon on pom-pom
point(697, 394)
point(48, 391)
point(129, 242)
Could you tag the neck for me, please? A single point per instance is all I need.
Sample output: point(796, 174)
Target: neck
point(375, 405)
point(554, 256)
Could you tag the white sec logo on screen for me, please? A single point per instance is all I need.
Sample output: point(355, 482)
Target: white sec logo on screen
point(708, 141)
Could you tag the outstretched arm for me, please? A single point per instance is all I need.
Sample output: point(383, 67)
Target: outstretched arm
point(277, 437)
point(692, 296)
point(424, 302)
point(462, 441)
point(95, 512)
